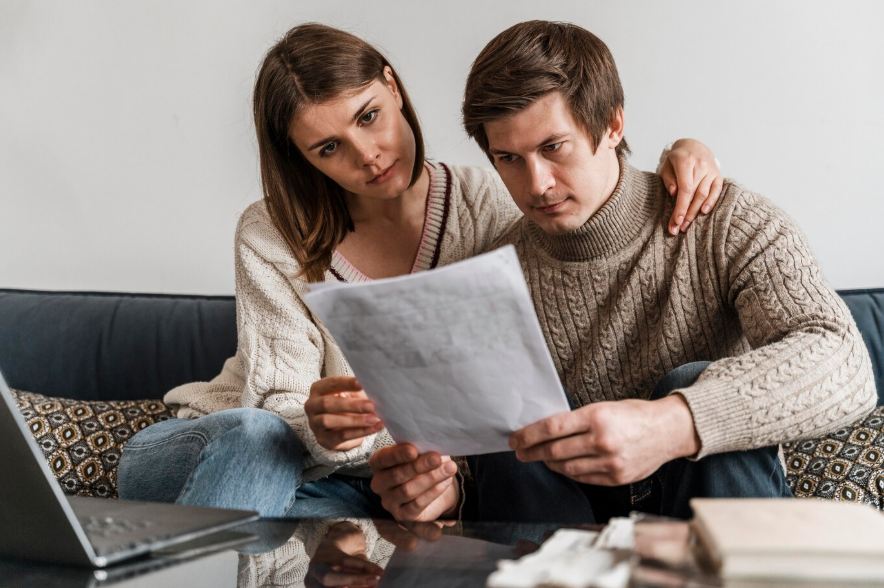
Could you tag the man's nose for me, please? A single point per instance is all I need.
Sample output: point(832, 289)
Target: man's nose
point(540, 177)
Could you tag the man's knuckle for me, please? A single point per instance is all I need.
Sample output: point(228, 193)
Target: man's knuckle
point(556, 452)
point(570, 468)
point(605, 443)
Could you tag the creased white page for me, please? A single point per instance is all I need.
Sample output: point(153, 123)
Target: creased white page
point(453, 358)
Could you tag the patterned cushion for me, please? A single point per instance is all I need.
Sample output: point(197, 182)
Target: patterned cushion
point(845, 465)
point(83, 440)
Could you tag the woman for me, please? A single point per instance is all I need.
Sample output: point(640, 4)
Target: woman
point(349, 196)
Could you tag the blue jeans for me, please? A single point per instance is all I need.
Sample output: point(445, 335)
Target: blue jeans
point(512, 491)
point(243, 458)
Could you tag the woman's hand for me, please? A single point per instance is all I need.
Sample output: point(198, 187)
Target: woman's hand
point(340, 414)
point(691, 171)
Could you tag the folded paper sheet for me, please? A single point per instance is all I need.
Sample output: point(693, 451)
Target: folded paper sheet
point(453, 358)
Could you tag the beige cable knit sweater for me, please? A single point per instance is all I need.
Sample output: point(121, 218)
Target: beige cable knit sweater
point(621, 302)
point(282, 349)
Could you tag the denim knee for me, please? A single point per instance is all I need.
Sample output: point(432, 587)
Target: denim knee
point(754, 473)
point(262, 427)
point(681, 377)
point(183, 460)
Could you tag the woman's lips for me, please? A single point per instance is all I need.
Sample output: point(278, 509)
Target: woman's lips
point(383, 176)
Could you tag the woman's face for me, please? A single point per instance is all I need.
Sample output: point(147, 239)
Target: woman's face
point(361, 141)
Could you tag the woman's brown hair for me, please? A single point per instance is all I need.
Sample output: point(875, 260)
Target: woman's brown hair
point(311, 64)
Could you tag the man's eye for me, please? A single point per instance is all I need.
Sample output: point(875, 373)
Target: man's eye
point(507, 158)
point(552, 147)
point(369, 117)
point(328, 149)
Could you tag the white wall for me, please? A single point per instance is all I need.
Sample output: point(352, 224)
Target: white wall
point(127, 152)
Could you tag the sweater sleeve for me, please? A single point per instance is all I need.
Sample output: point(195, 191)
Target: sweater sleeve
point(808, 371)
point(281, 347)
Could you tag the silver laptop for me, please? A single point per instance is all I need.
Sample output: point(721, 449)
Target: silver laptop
point(39, 522)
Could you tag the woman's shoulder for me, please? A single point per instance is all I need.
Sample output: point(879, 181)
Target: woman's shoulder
point(478, 188)
point(255, 218)
point(256, 234)
point(473, 180)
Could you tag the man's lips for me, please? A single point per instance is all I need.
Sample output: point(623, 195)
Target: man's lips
point(551, 207)
point(383, 176)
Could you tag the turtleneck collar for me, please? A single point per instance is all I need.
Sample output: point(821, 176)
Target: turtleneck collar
point(614, 226)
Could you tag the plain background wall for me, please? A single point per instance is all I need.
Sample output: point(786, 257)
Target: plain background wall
point(127, 150)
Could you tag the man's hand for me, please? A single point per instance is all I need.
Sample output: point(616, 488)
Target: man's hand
point(611, 443)
point(340, 560)
point(415, 487)
point(340, 414)
point(407, 536)
point(691, 171)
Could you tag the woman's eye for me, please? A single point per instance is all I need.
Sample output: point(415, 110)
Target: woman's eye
point(328, 149)
point(369, 117)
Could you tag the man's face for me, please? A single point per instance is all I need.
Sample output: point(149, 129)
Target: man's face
point(545, 158)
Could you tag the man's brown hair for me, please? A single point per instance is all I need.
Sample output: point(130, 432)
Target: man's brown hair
point(312, 64)
point(532, 59)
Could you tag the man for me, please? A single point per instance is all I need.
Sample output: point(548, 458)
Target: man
point(623, 303)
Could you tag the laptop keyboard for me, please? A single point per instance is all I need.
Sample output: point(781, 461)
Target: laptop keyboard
point(109, 527)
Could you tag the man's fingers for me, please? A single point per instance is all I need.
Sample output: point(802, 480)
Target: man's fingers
point(412, 509)
point(554, 427)
point(559, 449)
point(389, 457)
point(334, 384)
point(421, 489)
point(427, 530)
point(714, 193)
point(405, 473)
point(580, 467)
point(397, 534)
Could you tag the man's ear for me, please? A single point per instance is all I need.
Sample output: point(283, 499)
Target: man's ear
point(614, 134)
point(390, 80)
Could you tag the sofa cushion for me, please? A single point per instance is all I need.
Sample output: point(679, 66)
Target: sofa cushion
point(82, 441)
point(846, 465)
point(867, 308)
point(112, 346)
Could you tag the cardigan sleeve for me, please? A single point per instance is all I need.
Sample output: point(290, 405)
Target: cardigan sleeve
point(281, 346)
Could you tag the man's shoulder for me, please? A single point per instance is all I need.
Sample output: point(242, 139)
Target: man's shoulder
point(515, 235)
point(739, 204)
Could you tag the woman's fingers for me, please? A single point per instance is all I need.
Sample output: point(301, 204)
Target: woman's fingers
point(714, 193)
point(333, 439)
point(700, 197)
point(335, 384)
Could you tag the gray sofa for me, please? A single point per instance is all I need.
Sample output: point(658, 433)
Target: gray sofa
point(121, 348)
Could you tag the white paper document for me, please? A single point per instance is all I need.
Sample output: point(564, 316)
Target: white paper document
point(453, 358)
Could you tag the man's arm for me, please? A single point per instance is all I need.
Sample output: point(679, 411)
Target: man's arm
point(809, 371)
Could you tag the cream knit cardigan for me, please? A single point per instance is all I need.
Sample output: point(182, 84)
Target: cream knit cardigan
point(283, 349)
